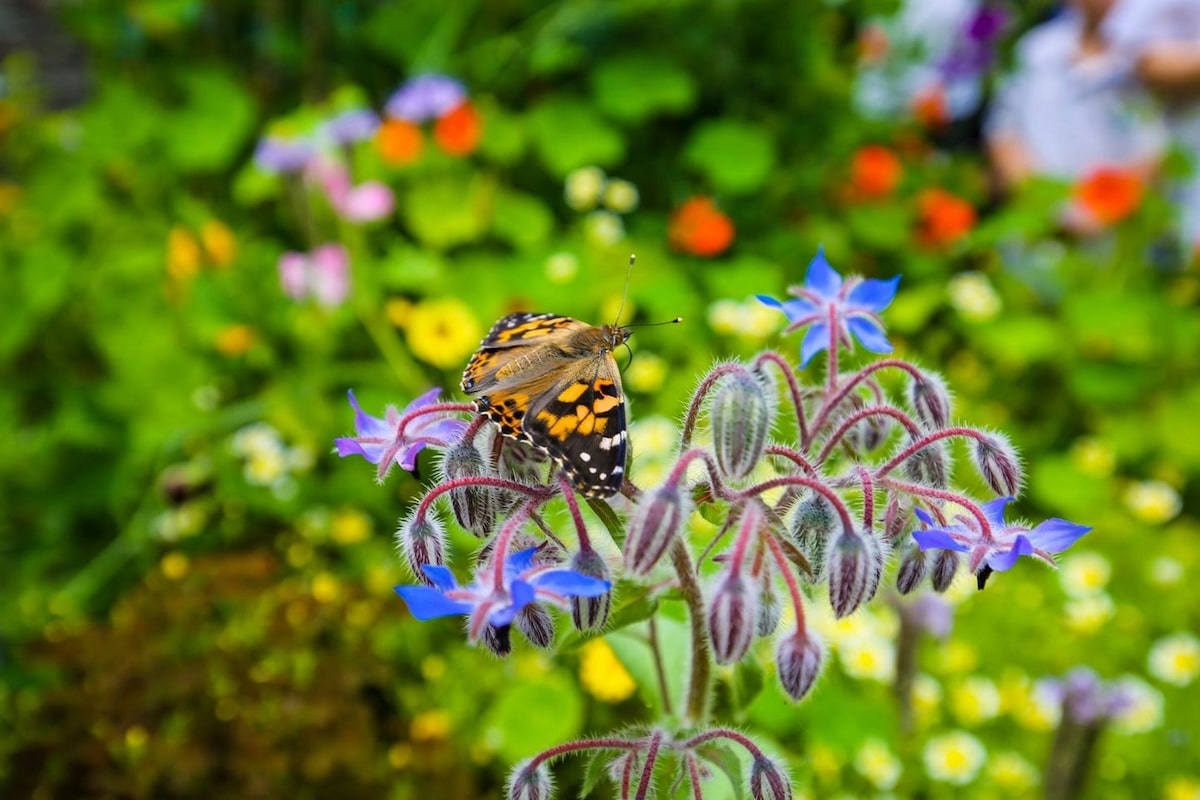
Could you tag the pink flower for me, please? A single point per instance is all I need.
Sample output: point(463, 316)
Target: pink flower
point(366, 202)
point(323, 275)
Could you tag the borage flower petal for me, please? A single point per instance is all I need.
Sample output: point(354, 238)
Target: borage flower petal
point(398, 437)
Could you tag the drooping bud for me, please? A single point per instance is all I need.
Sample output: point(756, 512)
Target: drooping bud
point(526, 783)
point(945, 565)
point(474, 506)
point(879, 553)
point(798, 659)
point(930, 400)
point(590, 613)
point(768, 781)
point(868, 433)
point(813, 525)
point(914, 567)
point(741, 415)
point(895, 519)
point(536, 625)
point(521, 463)
point(658, 519)
point(498, 639)
point(997, 462)
point(732, 617)
point(769, 608)
point(852, 566)
point(421, 541)
point(930, 466)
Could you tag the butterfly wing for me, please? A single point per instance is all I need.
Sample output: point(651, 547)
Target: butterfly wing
point(511, 351)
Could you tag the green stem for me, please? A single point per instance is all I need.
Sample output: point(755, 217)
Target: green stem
point(698, 685)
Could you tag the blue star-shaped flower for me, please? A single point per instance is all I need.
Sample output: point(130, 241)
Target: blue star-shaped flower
point(381, 441)
point(852, 305)
point(1008, 542)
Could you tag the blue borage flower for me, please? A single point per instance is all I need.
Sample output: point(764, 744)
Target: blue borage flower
point(485, 603)
point(853, 305)
point(383, 443)
point(1008, 542)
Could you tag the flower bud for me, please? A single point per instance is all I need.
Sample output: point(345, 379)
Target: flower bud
point(498, 639)
point(521, 463)
point(895, 519)
point(732, 618)
point(590, 613)
point(852, 568)
point(798, 659)
point(879, 554)
point(741, 416)
point(421, 541)
point(525, 783)
point(929, 466)
point(474, 506)
point(813, 525)
point(945, 565)
point(658, 519)
point(914, 567)
point(769, 608)
point(768, 781)
point(998, 463)
point(536, 625)
point(868, 433)
point(930, 400)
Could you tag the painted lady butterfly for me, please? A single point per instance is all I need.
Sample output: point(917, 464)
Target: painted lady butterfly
point(552, 382)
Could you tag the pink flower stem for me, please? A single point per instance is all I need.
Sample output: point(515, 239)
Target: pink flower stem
point(504, 539)
point(533, 493)
point(568, 493)
point(694, 777)
point(832, 377)
point(857, 417)
point(789, 577)
point(722, 733)
point(811, 483)
point(925, 441)
point(559, 750)
point(868, 490)
point(916, 489)
point(646, 781)
point(793, 387)
point(693, 413)
point(831, 401)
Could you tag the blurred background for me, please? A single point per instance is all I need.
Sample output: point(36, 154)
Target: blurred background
point(217, 217)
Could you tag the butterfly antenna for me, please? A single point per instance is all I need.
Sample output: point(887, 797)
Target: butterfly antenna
point(625, 293)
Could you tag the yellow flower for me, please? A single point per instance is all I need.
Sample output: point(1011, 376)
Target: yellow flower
point(973, 297)
point(1038, 710)
point(868, 657)
point(326, 588)
point(443, 332)
point(975, 700)
point(1012, 773)
point(219, 242)
point(1093, 457)
point(1175, 659)
point(646, 374)
point(175, 565)
point(183, 254)
point(954, 758)
point(235, 340)
point(350, 526)
point(1182, 787)
point(876, 763)
point(602, 674)
point(1153, 502)
point(1084, 573)
point(958, 657)
point(430, 726)
point(398, 310)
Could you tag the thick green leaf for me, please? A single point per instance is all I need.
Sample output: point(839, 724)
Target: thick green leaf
point(568, 134)
point(532, 715)
point(521, 219)
point(736, 157)
point(634, 87)
point(449, 210)
point(212, 124)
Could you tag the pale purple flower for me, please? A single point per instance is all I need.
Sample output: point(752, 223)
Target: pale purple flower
point(425, 97)
point(277, 154)
point(366, 202)
point(1008, 542)
point(383, 443)
point(323, 275)
point(1085, 698)
point(353, 125)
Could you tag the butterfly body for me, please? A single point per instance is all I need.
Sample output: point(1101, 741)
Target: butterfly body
point(552, 382)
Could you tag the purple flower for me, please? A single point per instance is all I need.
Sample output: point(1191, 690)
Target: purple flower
point(853, 305)
point(399, 436)
point(1007, 543)
point(323, 274)
point(1085, 698)
point(351, 126)
point(366, 202)
point(425, 97)
point(487, 603)
point(972, 52)
point(279, 155)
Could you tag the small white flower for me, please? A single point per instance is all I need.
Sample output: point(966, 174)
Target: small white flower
point(1153, 502)
point(583, 187)
point(954, 758)
point(1084, 574)
point(1145, 706)
point(975, 700)
point(973, 297)
point(868, 657)
point(603, 228)
point(878, 764)
point(620, 196)
point(1166, 571)
point(561, 267)
point(1012, 773)
point(1175, 659)
point(1089, 613)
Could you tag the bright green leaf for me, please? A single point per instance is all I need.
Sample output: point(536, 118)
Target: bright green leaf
point(637, 86)
point(737, 157)
point(569, 134)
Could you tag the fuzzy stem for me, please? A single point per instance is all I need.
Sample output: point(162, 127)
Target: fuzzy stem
point(504, 538)
point(689, 587)
point(694, 776)
point(832, 378)
point(793, 387)
point(715, 374)
point(646, 781)
point(795, 456)
point(660, 671)
point(857, 417)
point(811, 483)
point(868, 490)
point(925, 441)
point(609, 743)
point(723, 733)
point(532, 492)
point(568, 493)
point(831, 401)
point(789, 578)
point(944, 495)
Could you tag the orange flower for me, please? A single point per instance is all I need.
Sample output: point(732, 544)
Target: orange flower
point(929, 108)
point(458, 131)
point(699, 228)
point(235, 340)
point(218, 242)
point(874, 171)
point(399, 142)
point(873, 45)
point(943, 218)
point(183, 254)
point(1110, 194)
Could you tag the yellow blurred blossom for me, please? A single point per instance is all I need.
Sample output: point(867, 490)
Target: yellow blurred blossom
point(972, 296)
point(400, 755)
point(428, 726)
point(954, 758)
point(620, 196)
point(926, 699)
point(349, 526)
point(398, 310)
point(655, 437)
point(175, 566)
point(1152, 502)
point(748, 319)
point(1094, 457)
point(443, 332)
point(235, 340)
point(326, 588)
point(136, 737)
point(433, 668)
point(975, 700)
point(1175, 659)
point(1182, 787)
point(602, 674)
point(1145, 707)
point(958, 658)
point(183, 254)
point(1089, 614)
point(264, 467)
point(825, 761)
point(868, 657)
point(1038, 710)
point(1012, 773)
point(646, 374)
point(875, 762)
point(561, 267)
point(603, 228)
point(219, 243)
point(1166, 571)
point(380, 580)
point(1084, 573)
point(583, 188)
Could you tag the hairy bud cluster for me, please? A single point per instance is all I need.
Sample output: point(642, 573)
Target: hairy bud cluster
point(590, 613)
point(930, 465)
point(659, 518)
point(421, 540)
point(741, 416)
point(474, 506)
point(798, 659)
point(814, 524)
point(930, 400)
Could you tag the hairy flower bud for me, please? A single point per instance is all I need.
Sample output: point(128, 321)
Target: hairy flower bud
point(813, 525)
point(868, 433)
point(895, 519)
point(769, 608)
point(741, 415)
point(421, 541)
point(590, 613)
point(526, 783)
point(798, 659)
point(930, 400)
point(732, 618)
point(997, 462)
point(498, 639)
point(914, 567)
point(536, 625)
point(930, 465)
point(474, 506)
point(852, 572)
point(945, 565)
point(768, 781)
point(658, 519)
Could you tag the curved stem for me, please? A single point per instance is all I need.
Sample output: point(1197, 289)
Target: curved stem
point(868, 490)
point(811, 483)
point(660, 671)
point(918, 490)
point(532, 492)
point(793, 387)
point(646, 782)
point(857, 417)
point(568, 493)
point(689, 587)
point(925, 441)
point(781, 562)
point(837, 397)
point(693, 412)
point(795, 456)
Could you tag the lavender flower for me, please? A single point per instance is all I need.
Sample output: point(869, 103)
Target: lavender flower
point(425, 97)
point(852, 305)
point(323, 275)
point(382, 442)
point(277, 154)
point(353, 125)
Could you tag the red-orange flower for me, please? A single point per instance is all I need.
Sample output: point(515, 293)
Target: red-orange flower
point(943, 218)
point(399, 142)
point(1110, 194)
point(698, 227)
point(929, 108)
point(458, 132)
point(874, 172)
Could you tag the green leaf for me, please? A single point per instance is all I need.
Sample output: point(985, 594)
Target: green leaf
point(884, 227)
point(1057, 485)
point(533, 715)
point(569, 134)
point(634, 87)
point(596, 772)
point(521, 219)
point(448, 210)
point(212, 124)
point(724, 758)
point(735, 156)
point(504, 135)
point(748, 681)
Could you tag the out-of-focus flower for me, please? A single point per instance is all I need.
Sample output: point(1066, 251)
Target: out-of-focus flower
point(175, 566)
point(1008, 542)
point(183, 254)
point(1089, 613)
point(975, 701)
point(219, 242)
point(1034, 706)
point(583, 188)
point(943, 218)
point(381, 442)
point(349, 526)
point(442, 331)
point(1152, 502)
point(646, 373)
point(1141, 706)
point(868, 657)
point(852, 306)
point(875, 762)
point(1094, 457)
point(620, 196)
point(699, 228)
point(323, 274)
point(399, 143)
point(873, 44)
point(875, 171)
point(1083, 574)
point(927, 699)
point(1181, 787)
point(1013, 774)
point(602, 674)
point(459, 131)
point(1166, 571)
point(972, 52)
point(561, 267)
point(352, 125)
point(954, 758)
point(972, 295)
point(748, 318)
point(425, 97)
point(366, 202)
point(929, 107)
point(603, 228)
point(1175, 659)
point(277, 154)
point(1110, 194)
point(236, 340)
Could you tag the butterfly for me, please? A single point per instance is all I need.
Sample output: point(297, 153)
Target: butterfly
point(552, 382)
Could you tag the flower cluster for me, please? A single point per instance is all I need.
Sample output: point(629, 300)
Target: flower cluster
point(436, 99)
point(813, 489)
